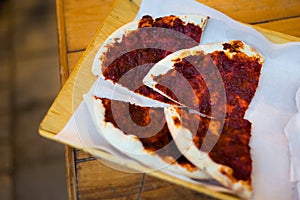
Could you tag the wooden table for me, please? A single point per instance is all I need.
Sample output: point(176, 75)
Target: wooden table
point(78, 21)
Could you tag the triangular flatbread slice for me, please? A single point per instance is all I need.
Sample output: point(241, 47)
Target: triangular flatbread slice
point(190, 83)
point(218, 154)
point(130, 52)
point(218, 80)
point(150, 144)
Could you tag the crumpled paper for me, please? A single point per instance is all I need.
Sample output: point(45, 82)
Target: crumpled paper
point(270, 110)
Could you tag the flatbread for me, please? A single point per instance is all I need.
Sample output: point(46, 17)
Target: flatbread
point(223, 79)
point(130, 52)
point(184, 139)
point(152, 150)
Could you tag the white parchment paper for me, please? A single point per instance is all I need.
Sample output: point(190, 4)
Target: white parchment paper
point(292, 131)
point(271, 109)
point(81, 132)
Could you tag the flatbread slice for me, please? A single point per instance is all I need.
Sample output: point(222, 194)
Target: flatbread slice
point(220, 81)
point(148, 33)
point(133, 138)
point(130, 52)
point(223, 157)
point(209, 71)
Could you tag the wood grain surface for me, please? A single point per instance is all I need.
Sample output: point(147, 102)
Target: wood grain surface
point(78, 22)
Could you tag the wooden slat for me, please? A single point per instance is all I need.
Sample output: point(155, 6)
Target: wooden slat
point(252, 11)
point(82, 156)
point(277, 37)
point(155, 188)
point(286, 26)
point(62, 41)
point(73, 59)
point(97, 181)
point(83, 19)
point(71, 173)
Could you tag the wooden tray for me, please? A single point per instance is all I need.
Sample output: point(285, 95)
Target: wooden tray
point(81, 80)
